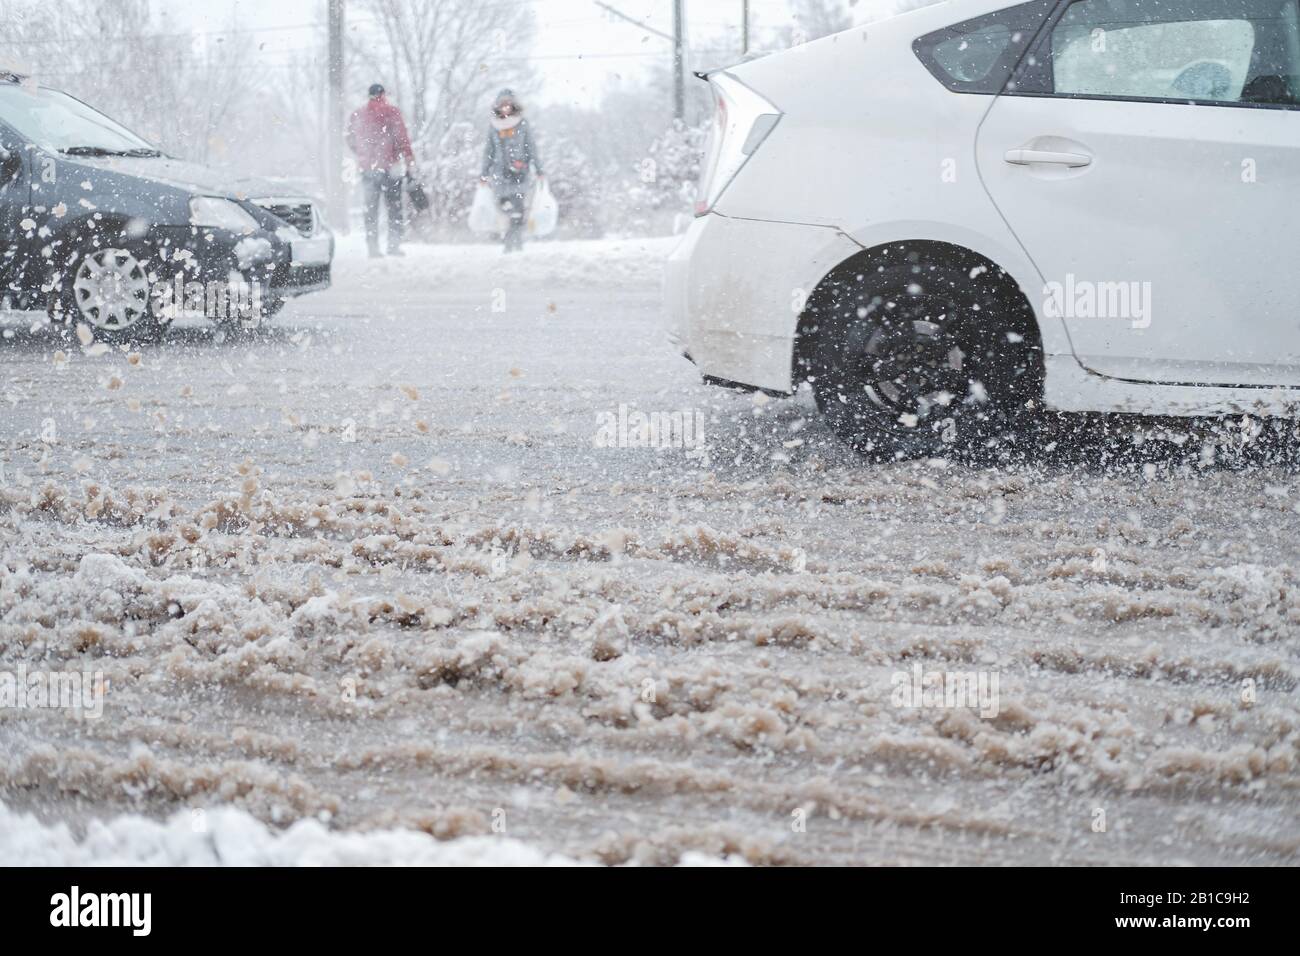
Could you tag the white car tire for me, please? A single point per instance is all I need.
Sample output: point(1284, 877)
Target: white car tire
point(914, 359)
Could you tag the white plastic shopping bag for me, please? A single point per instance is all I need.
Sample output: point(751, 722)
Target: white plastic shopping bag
point(543, 211)
point(485, 215)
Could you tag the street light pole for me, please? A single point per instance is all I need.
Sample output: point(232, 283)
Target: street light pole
point(679, 61)
point(335, 197)
point(677, 38)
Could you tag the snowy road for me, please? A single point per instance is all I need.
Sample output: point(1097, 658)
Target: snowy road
point(374, 567)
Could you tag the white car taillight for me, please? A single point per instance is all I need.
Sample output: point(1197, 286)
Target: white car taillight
point(741, 121)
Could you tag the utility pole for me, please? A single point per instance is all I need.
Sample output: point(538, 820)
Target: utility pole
point(677, 38)
point(337, 199)
point(744, 27)
point(679, 61)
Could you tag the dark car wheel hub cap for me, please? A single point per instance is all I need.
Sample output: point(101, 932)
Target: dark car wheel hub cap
point(111, 289)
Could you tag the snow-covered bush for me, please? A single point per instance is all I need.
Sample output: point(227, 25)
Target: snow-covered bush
point(450, 170)
point(664, 182)
point(580, 190)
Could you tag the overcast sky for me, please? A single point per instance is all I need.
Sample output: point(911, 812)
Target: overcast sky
point(580, 49)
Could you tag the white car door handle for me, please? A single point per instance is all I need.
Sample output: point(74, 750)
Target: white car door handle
point(1023, 156)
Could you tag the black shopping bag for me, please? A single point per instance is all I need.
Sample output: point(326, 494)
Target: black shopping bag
point(415, 192)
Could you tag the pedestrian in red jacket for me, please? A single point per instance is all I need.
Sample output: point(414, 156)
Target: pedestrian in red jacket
point(377, 135)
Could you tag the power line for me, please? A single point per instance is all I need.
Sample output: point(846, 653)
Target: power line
point(114, 68)
point(232, 31)
point(633, 20)
point(161, 36)
point(585, 56)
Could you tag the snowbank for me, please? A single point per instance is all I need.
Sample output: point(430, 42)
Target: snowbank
point(230, 837)
point(587, 262)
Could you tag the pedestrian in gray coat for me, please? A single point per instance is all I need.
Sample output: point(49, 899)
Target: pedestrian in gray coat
point(511, 151)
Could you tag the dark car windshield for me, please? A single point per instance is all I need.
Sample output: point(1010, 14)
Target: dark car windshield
point(57, 121)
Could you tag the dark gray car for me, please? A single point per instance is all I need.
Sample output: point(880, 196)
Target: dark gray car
point(99, 227)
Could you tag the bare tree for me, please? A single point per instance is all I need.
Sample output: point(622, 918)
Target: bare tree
point(171, 87)
point(443, 58)
point(297, 105)
point(814, 19)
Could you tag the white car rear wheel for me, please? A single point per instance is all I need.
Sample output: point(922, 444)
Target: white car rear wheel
point(916, 360)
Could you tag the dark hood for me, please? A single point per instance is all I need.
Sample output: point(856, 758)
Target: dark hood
point(191, 177)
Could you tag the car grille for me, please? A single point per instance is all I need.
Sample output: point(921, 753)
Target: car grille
point(297, 214)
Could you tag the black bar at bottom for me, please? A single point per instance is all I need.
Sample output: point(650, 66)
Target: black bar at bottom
point(302, 906)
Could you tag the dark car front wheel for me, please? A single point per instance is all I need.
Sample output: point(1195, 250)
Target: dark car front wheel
point(109, 290)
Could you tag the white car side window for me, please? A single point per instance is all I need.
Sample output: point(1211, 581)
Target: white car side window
point(1230, 51)
point(970, 57)
point(978, 55)
point(1202, 59)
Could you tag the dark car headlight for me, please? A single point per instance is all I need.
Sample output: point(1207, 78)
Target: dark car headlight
point(212, 212)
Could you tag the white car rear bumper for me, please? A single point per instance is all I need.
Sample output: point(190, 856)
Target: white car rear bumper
point(735, 289)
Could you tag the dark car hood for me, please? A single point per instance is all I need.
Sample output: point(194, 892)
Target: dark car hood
point(192, 177)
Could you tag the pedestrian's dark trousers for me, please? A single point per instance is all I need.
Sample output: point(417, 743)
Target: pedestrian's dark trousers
point(510, 195)
point(378, 184)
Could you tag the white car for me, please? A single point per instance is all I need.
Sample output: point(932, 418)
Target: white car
point(968, 211)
